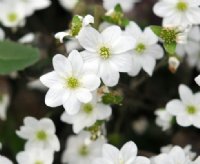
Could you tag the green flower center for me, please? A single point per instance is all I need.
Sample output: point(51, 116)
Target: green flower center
point(87, 108)
point(140, 48)
point(182, 6)
point(12, 17)
point(83, 151)
point(38, 162)
point(104, 52)
point(191, 110)
point(72, 83)
point(41, 135)
point(168, 35)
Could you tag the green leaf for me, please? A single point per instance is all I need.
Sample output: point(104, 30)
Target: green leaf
point(156, 29)
point(118, 8)
point(110, 98)
point(170, 48)
point(15, 57)
point(125, 22)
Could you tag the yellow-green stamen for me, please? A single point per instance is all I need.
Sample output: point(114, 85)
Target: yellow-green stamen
point(140, 48)
point(182, 6)
point(104, 52)
point(72, 83)
point(41, 135)
point(12, 17)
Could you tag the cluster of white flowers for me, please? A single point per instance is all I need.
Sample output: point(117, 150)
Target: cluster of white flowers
point(41, 141)
point(13, 13)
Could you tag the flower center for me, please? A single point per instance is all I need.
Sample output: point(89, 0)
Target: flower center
point(41, 135)
point(38, 162)
point(83, 151)
point(12, 17)
point(88, 108)
point(104, 52)
point(72, 83)
point(182, 6)
point(121, 161)
point(140, 48)
point(168, 35)
point(191, 110)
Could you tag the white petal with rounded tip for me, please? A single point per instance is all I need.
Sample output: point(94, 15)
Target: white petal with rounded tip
point(129, 151)
point(124, 44)
point(197, 80)
point(186, 94)
point(151, 38)
point(90, 81)
point(83, 95)
point(136, 67)
point(72, 105)
point(76, 61)
point(89, 39)
point(102, 161)
point(156, 51)
point(61, 36)
point(54, 97)
point(109, 75)
point(142, 160)
point(5, 160)
point(177, 154)
point(196, 121)
point(62, 65)
point(163, 9)
point(48, 125)
point(183, 120)
point(148, 63)
point(104, 111)
point(175, 107)
point(134, 30)
point(51, 79)
point(111, 34)
point(110, 152)
point(88, 19)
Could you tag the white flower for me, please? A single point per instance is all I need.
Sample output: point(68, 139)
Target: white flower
point(197, 161)
point(72, 44)
point(4, 103)
point(30, 6)
point(68, 4)
point(88, 114)
point(173, 63)
point(191, 48)
point(35, 156)
point(187, 109)
point(146, 49)
point(39, 133)
point(12, 14)
point(126, 5)
point(178, 12)
point(5, 160)
point(187, 150)
point(126, 155)
point(163, 119)
point(106, 52)
point(2, 34)
point(69, 85)
point(175, 156)
point(76, 27)
point(81, 150)
point(28, 38)
point(197, 80)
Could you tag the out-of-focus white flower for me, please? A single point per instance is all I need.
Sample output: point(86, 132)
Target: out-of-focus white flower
point(70, 84)
point(36, 84)
point(140, 125)
point(126, 155)
point(4, 103)
point(163, 119)
point(78, 23)
point(126, 5)
point(12, 14)
point(145, 51)
point(35, 155)
point(191, 48)
point(72, 44)
point(4, 160)
point(68, 4)
point(106, 53)
point(88, 114)
point(28, 38)
point(30, 6)
point(175, 156)
point(187, 149)
point(173, 63)
point(197, 80)
point(81, 150)
point(39, 133)
point(187, 109)
point(178, 12)
point(2, 34)
point(197, 161)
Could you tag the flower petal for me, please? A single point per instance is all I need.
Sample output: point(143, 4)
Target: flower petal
point(155, 51)
point(90, 81)
point(110, 152)
point(83, 95)
point(175, 107)
point(72, 105)
point(183, 120)
point(104, 111)
point(148, 63)
point(186, 94)
point(142, 160)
